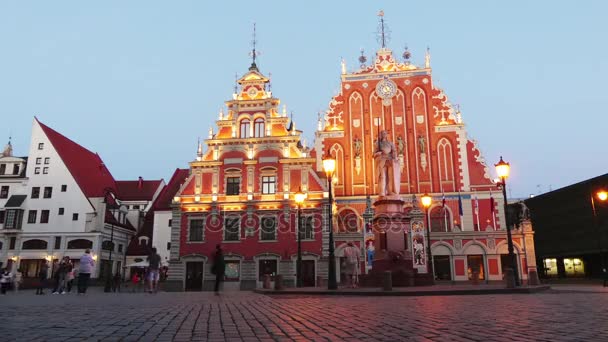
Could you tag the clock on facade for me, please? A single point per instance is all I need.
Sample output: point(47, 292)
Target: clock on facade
point(386, 89)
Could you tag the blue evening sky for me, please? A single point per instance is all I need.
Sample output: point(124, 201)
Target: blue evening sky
point(139, 81)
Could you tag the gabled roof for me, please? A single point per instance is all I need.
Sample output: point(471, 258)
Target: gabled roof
point(163, 201)
point(86, 167)
point(139, 190)
point(111, 219)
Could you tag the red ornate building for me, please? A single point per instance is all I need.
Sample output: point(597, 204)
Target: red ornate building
point(240, 194)
point(436, 156)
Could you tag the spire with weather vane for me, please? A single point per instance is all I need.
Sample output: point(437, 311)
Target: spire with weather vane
point(253, 52)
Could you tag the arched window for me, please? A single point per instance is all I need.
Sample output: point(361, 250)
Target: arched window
point(245, 127)
point(258, 128)
point(440, 219)
point(34, 244)
point(80, 244)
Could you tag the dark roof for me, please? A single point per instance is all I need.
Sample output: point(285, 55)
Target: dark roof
point(15, 201)
point(111, 219)
point(163, 201)
point(86, 167)
point(139, 190)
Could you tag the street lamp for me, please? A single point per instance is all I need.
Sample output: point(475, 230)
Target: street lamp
point(602, 196)
point(122, 210)
point(426, 203)
point(329, 165)
point(502, 169)
point(299, 198)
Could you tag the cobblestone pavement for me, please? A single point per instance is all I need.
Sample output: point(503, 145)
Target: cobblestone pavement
point(245, 316)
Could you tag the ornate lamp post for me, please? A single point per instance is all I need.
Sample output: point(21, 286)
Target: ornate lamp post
point(502, 169)
point(602, 196)
point(329, 165)
point(426, 203)
point(299, 198)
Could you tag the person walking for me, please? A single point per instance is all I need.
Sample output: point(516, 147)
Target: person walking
point(5, 280)
point(17, 279)
point(42, 276)
point(135, 282)
point(153, 270)
point(116, 282)
point(218, 268)
point(353, 259)
point(61, 275)
point(84, 271)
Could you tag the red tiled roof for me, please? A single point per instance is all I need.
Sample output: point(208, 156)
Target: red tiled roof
point(86, 167)
point(163, 201)
point(139, 190)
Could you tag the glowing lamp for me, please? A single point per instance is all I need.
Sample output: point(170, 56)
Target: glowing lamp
point(426, 201)
point(502, 169)
point(299, 197)
point(602, 195)
point(329, 164)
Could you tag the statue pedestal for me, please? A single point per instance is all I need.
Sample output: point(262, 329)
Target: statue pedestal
point(391, 228)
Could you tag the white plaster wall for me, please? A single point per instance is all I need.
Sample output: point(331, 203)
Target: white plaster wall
point(73, 200)
point(162, 234)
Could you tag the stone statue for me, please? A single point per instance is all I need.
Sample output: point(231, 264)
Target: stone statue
point(421, 144)
point(400, 145)
point(357, 144)
point(524, 211)
point(387, 167)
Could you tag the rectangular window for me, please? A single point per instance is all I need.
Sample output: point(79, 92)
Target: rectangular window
point(4, 192)
point(2, 169)
point(232, 229)
point(31, 216)
point(13, 219)
point(64, 188)
point(170, 222)
point(233, 185)
point(119, 248)
point(45, 170)
point(44, 216)
point(267, 267)
point(307, 228)
point(48, 192)
point(268, 229)
point(38, 161)
point(75, 217)
point(57, 242)
point(168, 246)
point(12, 243)
point(16, 169)
point(41, 146)
point(47, 161)
point(1, 216)
point(269, 184)
point(136, 207)
point(61, 211)
point(37, 171)
point(36, 192)
point(196, 230)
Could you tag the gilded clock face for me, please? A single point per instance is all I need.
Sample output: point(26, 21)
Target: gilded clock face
point(386, 89)
point(252, 92)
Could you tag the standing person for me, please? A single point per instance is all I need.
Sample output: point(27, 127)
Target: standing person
point(218, 268)
point(17, 279)
point(153, 270)
point(135, 282)
point(84, 272)
point(61, 276)
point(116, 282)
point(70, 277)
point(5, 280)
point(353, 258)
point(42, 275)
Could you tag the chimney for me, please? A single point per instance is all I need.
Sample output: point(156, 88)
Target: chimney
point(140, 183)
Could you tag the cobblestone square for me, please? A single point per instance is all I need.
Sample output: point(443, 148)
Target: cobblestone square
point(243, 316)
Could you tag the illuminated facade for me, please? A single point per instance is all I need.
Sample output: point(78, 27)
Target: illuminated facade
point(435, 156)
point(240, 194)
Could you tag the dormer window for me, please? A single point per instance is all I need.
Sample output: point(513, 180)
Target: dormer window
point(16, 169)
point(258, 128)
point(2, 169)
point(245, 128)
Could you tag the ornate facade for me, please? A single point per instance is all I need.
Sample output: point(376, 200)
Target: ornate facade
point(435, 156)
point(240, 194)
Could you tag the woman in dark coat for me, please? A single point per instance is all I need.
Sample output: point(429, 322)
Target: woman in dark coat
point(219, 267)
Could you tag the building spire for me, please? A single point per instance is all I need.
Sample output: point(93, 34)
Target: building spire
point(427, 58)
point(383, 32)
point(253, 53)
point(199, 150)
